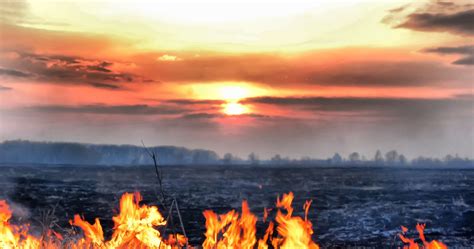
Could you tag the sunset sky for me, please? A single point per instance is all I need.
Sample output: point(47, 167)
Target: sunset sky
point(296, 78)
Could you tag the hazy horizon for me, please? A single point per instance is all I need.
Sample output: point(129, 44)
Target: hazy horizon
point(295, 78)
point(345, 155)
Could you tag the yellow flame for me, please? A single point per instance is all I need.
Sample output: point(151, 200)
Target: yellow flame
point(136, 227)
point(411, 244)
point(230, 231)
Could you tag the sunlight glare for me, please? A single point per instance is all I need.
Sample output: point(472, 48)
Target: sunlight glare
point(234, 108)
point(233, 92)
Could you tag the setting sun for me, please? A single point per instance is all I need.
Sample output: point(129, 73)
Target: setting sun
point(232, 94)
point(234, 108)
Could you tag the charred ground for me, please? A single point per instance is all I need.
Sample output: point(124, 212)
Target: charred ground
point(355, 206)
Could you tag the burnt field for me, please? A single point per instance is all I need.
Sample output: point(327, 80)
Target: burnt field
point(351, 206)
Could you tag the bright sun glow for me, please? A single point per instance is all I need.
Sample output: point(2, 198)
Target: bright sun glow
point(212, 12)
point(228, 91)
point(233, 93)
point(234, 108)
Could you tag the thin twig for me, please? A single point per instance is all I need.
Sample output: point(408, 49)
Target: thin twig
point(158, 174)
point(181, 221)
point(169, 219)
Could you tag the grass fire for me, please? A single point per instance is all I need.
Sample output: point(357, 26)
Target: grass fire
point(139, 226)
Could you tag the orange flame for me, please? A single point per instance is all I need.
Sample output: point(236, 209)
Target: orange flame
point(294, 231)
point(12, 236)
point(426, 245)
point(136, 227)
point(230, 231)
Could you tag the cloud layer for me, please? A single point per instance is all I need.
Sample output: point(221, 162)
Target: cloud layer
point(63, 69)
point(467, 53)
point(435, 16)
point(385, 88)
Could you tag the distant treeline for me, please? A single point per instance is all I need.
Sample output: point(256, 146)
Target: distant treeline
point(22, 151)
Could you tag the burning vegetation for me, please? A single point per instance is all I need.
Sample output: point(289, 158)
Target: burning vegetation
point(231, 231)
point(134, 227)
point(139, 226)
point(411, 244)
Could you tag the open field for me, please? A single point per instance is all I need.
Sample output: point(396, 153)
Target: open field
point(351, 206)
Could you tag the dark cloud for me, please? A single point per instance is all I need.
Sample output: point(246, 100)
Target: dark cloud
point(13, 73)
point(466, 51)
point(436, 16)
point(105, 86)
point(205, 115)
point(111, 109)
point(99, 69)
point(468, 60)
point(5, 88)
point(261, 116)
point(195, 101)
point(74, 68)
point(347, 102)
point(458, 23)
point(377, 107)
point(67, 70)
point(203, 106)
point(202, 116)
point(63, 59)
